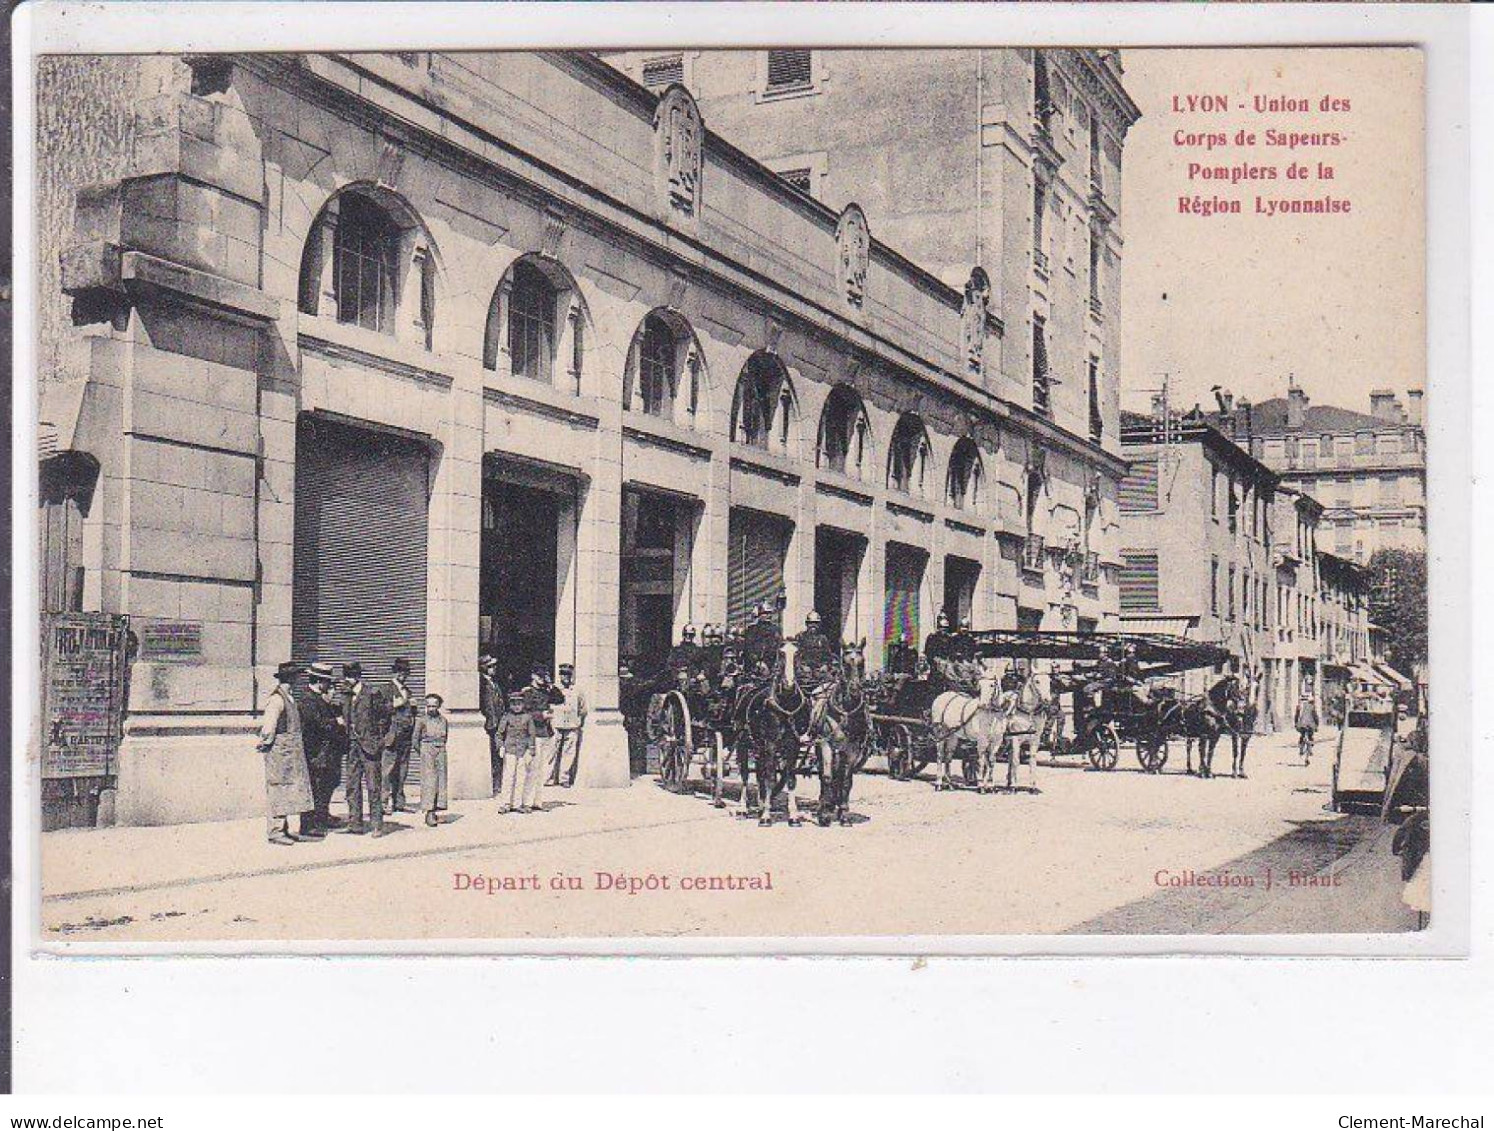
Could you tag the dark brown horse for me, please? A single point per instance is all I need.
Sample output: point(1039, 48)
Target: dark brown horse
point(1229, 697)
point(842, 731)
point(769, 720)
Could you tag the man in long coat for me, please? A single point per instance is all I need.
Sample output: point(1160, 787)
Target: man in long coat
point(325, 738)
point(287, 781)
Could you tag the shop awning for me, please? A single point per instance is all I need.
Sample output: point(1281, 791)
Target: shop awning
point(1395, 678)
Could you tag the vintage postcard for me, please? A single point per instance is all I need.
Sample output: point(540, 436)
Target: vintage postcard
point(602, 497)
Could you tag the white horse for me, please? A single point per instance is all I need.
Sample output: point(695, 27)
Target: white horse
point(980, 719)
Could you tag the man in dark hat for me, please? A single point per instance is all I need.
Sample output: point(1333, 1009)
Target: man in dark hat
point(281, 741)
point(326, 745)
point(368, 727)
point(395, 763)
point(490, 700)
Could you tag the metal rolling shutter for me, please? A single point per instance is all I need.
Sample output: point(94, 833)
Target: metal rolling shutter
point(904, 578)
point(360, 556)
point(759, 547)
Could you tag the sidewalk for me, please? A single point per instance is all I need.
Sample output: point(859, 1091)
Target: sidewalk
point(77, 863)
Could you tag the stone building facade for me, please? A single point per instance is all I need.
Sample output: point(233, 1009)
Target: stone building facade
point(1196, 539)
point(1296, 639)
point(1007, 158)
point(1368, 470)
point(424, 355)
point(1216, 547)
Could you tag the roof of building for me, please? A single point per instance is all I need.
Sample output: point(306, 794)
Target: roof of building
point(1269, 418)
point(1139, 429)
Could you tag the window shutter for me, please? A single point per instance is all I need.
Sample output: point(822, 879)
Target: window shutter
point(662, 72)
point(1138, 581)
point(790, 70)
point(1138, 490)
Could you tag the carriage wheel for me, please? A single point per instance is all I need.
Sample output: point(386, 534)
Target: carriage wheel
point(1152, 754)
point(921, 751)
point(673, 736)
point(1104, 748)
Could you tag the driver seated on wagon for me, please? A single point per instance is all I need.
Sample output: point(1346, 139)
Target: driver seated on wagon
point(818, 665)
point(761, 641)
point(1123, 680)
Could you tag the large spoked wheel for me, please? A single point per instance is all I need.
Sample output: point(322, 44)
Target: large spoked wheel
point(1104, 747)
point(1152, 754)
point(670, 731)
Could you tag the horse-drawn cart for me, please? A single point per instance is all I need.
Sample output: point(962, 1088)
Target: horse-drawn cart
point(1101, 674)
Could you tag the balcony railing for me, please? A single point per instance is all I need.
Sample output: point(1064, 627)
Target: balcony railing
point(1096, 307)
point(1032, 553)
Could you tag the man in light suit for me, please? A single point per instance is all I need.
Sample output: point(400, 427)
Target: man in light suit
point(568, 717)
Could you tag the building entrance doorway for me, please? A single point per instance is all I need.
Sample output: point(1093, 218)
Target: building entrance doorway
point(359, 581)
point(900, 610)
point(961, 575)
point(837, 565)
point(755, 568)
point(520, 574)
point(656, 541)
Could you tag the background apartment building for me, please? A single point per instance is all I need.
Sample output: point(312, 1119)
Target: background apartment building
point(1368, 470)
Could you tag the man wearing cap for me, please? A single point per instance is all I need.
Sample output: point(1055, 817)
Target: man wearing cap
point(540, 697)
point(287, 781)
point(568, 717)
point(761, 641)
point(684, 658)
point(325, 739)
point(938, 649)
point(368, 727)
point(395, 763)
point(491, 700)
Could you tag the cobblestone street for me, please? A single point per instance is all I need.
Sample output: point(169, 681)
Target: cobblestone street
point(1095, 852)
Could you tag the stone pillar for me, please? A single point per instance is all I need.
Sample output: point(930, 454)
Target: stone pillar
point(711, 548)
point(798, 570)
point(452, 604)
point(604, 751)
point(873, 583)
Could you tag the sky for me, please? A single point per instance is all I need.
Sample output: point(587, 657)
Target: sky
point(1244, 300)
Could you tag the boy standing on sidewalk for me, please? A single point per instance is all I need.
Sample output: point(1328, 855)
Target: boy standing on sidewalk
point(515, 737)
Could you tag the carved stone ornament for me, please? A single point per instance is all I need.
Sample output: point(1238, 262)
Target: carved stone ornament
point(678, 153)
point(974, 313)
point(853, 254)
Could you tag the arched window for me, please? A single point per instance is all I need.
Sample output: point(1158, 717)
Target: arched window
point(656, 367)
point(907, 464)
point(763, 409)
point(368, 262)
point(966, 476)
point(664, 369)
point(531, 324)
point(844, 433)
point(537, 320)
point(364, 254)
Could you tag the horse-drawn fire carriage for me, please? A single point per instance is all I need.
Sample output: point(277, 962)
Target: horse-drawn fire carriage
point(760, 725)
point(1110, 682)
